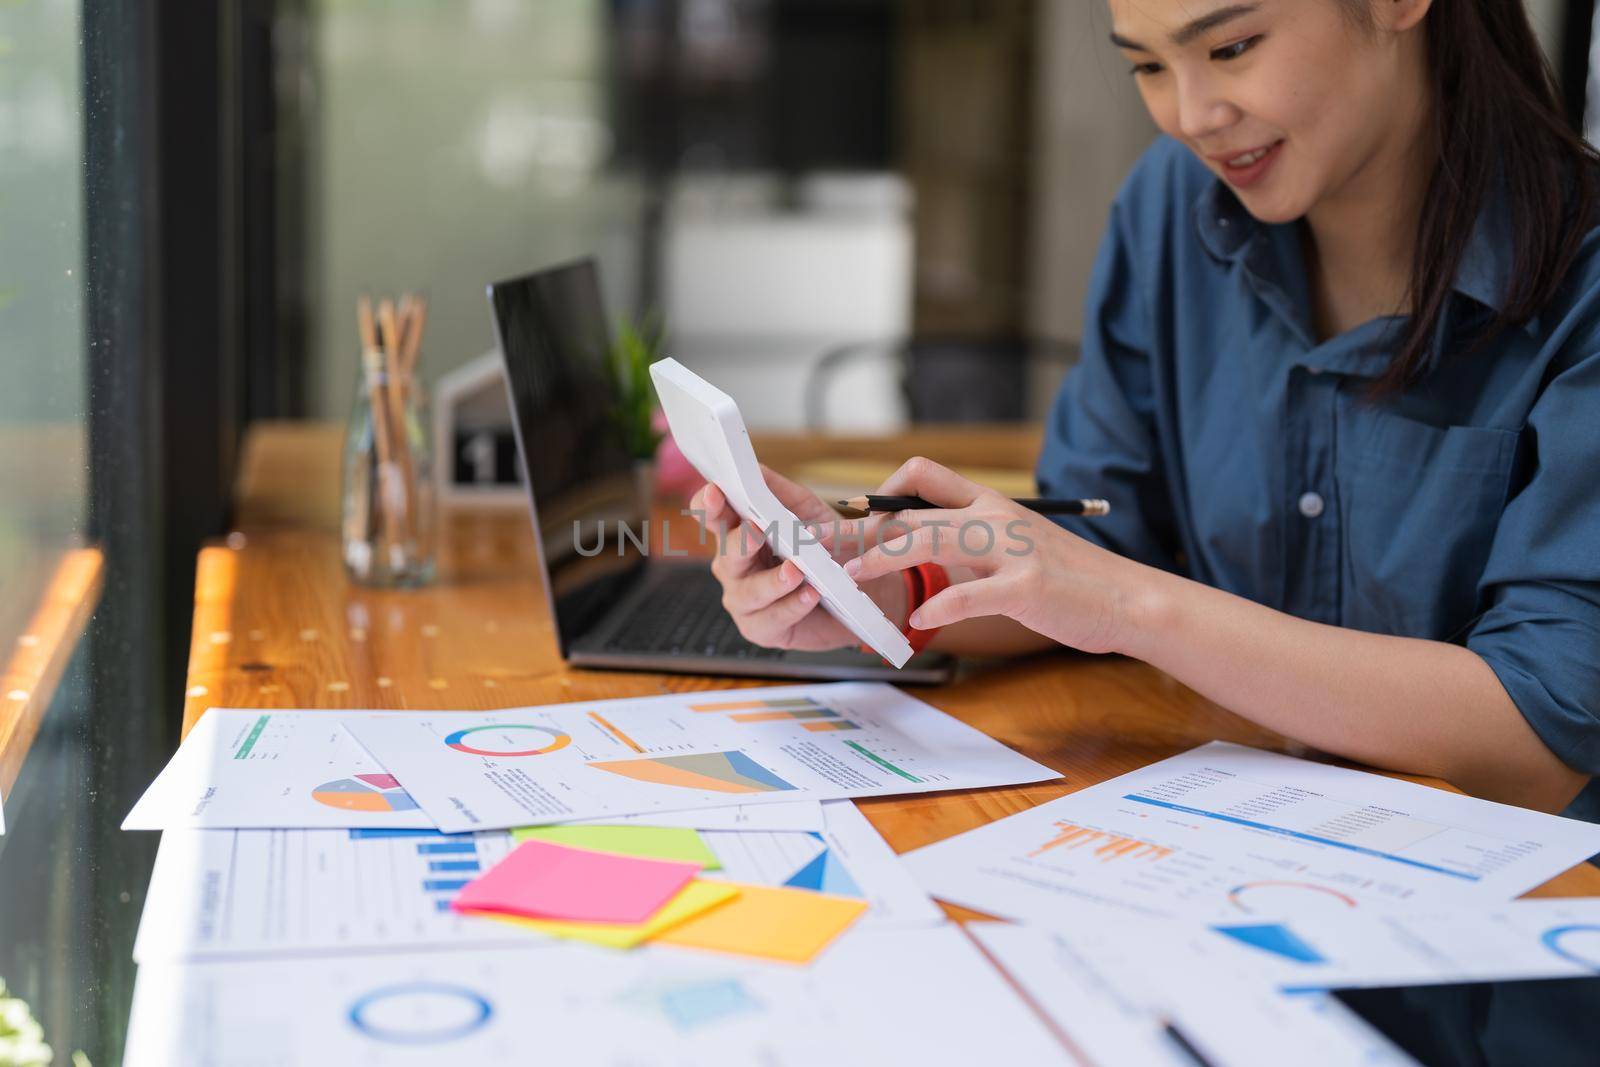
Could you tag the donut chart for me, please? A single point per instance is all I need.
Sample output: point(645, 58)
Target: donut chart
point(1273, 895)
point(1577, 943)
point(419, 1013)
point(511, 739)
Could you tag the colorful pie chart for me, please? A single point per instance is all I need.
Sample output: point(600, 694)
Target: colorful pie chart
point(508, 739)
point(364, 792)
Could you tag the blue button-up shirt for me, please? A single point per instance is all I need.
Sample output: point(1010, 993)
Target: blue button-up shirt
point(1238, 450)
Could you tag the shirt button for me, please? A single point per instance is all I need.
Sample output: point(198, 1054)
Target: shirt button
point(1311, 505)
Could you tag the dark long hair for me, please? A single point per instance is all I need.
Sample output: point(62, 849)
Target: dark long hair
point(1497, 115)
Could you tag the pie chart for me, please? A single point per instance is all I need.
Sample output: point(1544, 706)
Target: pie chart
point(364, 792)
point(508, 739)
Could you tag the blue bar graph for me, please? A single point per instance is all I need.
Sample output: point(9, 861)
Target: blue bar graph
point(439, 848)
point(453, 865)
point(444, 885)
point(361, 835)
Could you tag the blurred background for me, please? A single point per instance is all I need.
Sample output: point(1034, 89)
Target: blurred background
point(782, 181)
point(854, 215)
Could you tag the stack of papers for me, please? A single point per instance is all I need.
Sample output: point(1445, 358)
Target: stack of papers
point(687, 879)
point(677, 831)
point(669, 755)
point(1220, 890)
point(226, 894)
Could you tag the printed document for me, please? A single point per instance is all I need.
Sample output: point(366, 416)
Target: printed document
point(1114, 1002)
point(278, 769)
point(916, 995)
point(520, 766)
point(1225, 831)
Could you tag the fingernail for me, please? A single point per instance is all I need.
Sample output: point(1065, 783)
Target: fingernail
point(791, 574)
point(916, 620)
point(808, 596)
point(853, 567)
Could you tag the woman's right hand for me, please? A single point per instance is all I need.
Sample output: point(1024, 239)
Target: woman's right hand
point(770, 601)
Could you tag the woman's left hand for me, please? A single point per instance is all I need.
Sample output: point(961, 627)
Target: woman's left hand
point(1023, 565)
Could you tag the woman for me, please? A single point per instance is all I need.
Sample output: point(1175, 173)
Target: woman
point(1339, 382)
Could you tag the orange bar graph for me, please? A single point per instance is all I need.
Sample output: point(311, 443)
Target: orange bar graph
point(1107, 846)
point(606, 725)
point(837, 724)
point(755, 705)
point(779, 716)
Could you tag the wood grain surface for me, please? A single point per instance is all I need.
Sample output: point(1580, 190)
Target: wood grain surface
point(277, 625)
point(41, 653)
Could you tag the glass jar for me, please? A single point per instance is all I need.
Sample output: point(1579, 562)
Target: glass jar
point(387, 532)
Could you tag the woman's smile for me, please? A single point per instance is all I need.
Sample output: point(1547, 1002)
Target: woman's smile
point(1249, 167)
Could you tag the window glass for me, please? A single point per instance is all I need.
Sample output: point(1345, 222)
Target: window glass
point(452, 145)
point(48, 573)
point(43, 435)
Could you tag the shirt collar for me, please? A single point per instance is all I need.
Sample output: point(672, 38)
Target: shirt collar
point(1230, 233)
point(1485, 269)
point(1268, 254)
point(1225, 227)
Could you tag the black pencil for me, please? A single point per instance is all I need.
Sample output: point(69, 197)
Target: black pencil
point(1182, 1041)
point(916, 503)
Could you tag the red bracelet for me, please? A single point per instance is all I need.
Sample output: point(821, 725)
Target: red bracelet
point(923, 582)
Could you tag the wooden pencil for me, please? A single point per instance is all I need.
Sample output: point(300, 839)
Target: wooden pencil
point(377, 400)
point(872, 502)
point(400, 438)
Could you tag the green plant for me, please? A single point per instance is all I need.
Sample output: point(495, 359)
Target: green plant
point(21, 1036)
point(637, 346)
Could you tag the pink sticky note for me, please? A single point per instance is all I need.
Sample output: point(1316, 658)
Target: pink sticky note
point(547, 881)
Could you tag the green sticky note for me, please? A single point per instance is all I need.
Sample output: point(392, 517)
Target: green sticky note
point(647, 842)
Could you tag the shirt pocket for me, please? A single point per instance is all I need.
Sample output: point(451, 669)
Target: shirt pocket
point(1419, 505)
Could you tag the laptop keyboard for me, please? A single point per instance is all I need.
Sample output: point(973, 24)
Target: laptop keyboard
point(683, 615)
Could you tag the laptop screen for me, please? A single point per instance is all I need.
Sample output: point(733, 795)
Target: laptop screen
point(564, 406)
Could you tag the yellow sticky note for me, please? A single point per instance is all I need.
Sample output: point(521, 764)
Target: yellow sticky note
point(773, 922)
point(692, 899)
point(646, 842)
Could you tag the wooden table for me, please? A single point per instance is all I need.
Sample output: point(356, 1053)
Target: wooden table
point(277, 625)
point(51, 583)
point(41, 653)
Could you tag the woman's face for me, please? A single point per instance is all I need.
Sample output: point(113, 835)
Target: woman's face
point(1286, 100)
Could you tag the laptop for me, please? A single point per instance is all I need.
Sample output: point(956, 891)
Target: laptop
point(617, 599)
